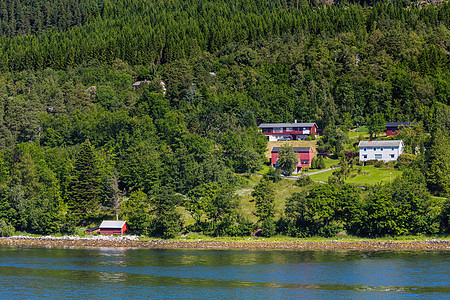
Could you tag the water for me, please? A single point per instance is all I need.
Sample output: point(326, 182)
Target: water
point(204, 274)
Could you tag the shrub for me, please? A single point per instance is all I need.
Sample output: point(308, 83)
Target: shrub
point(268, 228)
point(6, 229)
point(303, 180)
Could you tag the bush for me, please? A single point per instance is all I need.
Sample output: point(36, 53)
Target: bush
point(273, 175)
point(6, 229)
point(268, 228)
point(303, 180)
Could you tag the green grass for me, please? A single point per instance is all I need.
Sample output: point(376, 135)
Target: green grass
point(373, 176)
point(283, 189)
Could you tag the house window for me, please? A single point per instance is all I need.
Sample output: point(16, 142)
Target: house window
point(365, 149)
point(365, 156)
point(381, 149)
point(278, 130)
point(392, 148)
point(375, 149)
point(289, 129)
point(267, 130)
point(378, 156)
point(392, 155)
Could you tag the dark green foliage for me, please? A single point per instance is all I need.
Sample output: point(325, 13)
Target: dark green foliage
point(438, 164)
point(166, 221)
point(136, 210)
point(66, 77)
point(405, 207)
point(273, 175)
point(264, 197)
point(324, 211)
point(304, 180)
point(83, 194)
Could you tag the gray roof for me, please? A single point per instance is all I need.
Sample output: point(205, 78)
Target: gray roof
point(387, 143)
point(272, 125)
point(398, 124)
point(296, 149)
point(112, 224)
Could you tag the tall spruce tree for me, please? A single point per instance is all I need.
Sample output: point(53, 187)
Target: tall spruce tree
point(83, 196)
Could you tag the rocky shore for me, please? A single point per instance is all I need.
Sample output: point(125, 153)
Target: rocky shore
point(134, 242)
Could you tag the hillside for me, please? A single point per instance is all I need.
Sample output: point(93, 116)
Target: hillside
point(81, 142)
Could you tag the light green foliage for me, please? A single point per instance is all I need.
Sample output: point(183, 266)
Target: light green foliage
point(287, 160)
point(136, 211)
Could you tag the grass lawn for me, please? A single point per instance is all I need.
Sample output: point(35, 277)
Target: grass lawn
point(373, 176)
point(283, 189)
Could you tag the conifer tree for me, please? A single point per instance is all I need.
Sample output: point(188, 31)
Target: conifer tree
point(83, 196)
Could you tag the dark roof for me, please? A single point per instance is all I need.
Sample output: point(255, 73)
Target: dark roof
point(272, 125)
point(93, 229)
point(296, 149)
point(398, 124)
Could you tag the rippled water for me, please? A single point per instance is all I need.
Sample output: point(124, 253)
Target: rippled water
point(142, 273)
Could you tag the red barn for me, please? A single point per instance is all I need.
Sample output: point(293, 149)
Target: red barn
point(305, 156)
point(392, 128)
point(114, 227)
point(288, 131)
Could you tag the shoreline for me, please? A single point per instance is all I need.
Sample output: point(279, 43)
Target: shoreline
point(134, 243)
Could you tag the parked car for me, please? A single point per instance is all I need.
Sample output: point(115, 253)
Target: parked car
point(284, 139)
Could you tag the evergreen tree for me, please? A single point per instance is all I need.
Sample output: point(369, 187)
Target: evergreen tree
point(264, 197)
point(83, 195)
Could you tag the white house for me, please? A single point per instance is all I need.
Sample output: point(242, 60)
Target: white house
point(380, 150)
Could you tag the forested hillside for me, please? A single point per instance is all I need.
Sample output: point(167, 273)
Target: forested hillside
point(77, 138)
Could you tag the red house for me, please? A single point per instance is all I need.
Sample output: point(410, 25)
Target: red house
point(114, 227)
point(305, 156)
point(392, 128)
point(288, 131)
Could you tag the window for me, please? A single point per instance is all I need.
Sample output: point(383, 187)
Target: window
point(393, 130)
point(375, 149)
point(278, 130)
point(378, 156)
point(267, 130)
point(289, 129)
point(365, 156)
point(392, 148)
point(381, 149)
point(392, 155)
point(364, 149)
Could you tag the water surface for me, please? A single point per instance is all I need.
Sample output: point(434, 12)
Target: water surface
point(204, 274)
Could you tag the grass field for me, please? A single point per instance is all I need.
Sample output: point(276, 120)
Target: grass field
point(373, 176)
point(283, 189)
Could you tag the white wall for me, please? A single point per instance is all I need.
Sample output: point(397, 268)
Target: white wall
point(385, 153)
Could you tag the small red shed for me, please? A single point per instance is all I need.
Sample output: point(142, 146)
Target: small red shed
point(114, 227)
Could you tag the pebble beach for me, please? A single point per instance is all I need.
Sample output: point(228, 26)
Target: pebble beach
point(134, 242)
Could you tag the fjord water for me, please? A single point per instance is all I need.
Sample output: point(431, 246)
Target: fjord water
point(204, 274)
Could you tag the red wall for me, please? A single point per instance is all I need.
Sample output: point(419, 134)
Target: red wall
point(390, 132)
point(301, 156)
point(120, 231)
